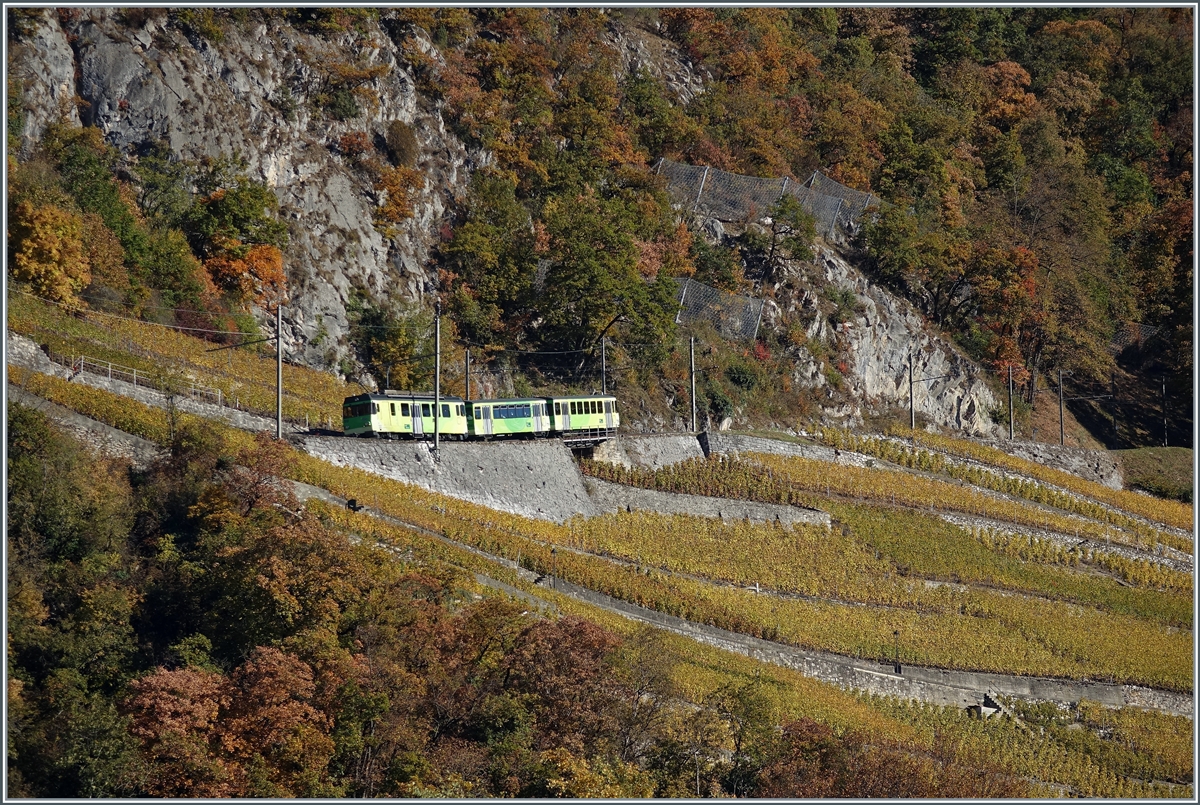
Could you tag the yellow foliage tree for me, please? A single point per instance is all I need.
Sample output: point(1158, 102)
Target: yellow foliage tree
point(48, 252)
point(399, 184)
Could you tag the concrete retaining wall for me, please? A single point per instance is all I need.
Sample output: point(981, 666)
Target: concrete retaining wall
point(610, 497)
point(535, 479)
point(651, 452)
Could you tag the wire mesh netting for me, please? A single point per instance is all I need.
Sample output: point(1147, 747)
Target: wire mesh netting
point(734, 317)
point(732, 197)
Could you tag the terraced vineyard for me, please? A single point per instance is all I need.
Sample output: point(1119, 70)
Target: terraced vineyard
point(242, 374)
point(959, 597)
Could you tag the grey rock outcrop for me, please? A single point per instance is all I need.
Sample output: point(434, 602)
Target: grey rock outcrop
point(253, 94)
point(44, 66)
point(878, 339)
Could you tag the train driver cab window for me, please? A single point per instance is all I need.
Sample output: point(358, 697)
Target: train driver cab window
point(375, 407)
point(425, 410)
point(446, 410)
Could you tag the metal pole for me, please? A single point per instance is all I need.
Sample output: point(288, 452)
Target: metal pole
point(1062, 434)
point(1164, 409)
point(912, 397)
point(692, 353)
point(1010, 404)
point(279, 370)
point(603, 366)
point(703, 179)
point(467, 374)
point(1112, 390)
point(437, 371)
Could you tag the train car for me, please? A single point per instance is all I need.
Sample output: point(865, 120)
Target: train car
point(584, 419)
point(528, 417)
point(395, 414)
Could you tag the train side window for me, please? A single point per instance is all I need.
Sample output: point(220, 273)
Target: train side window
point(425, 410)
point(393, 405)
point(574, 408)
point(477, 412)
point(404, 410)
point(446, 410)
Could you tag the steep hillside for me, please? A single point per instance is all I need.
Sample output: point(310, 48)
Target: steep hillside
point(959, 579)
point(1029, 193)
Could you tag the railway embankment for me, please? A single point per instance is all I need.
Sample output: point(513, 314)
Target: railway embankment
point(534, 479)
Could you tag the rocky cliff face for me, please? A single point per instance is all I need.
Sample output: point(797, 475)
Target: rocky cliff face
point(141, 81)
point(150, 82)
point(949, 390)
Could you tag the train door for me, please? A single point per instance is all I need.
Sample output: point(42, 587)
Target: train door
point(566, 414)
point(417, 424)
point(538, 426)
point(487, 420)
point(608, 414)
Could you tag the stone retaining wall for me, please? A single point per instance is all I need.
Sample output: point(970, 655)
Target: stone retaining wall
point(610, 497)
point(535, 479)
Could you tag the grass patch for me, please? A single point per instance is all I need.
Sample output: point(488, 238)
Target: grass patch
point(1167, 472)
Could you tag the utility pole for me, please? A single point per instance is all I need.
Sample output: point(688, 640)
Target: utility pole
point(1062, 434)
point(603, 366)
point(467, 374)
point(1010, 404)
point(279, 369)
point(1164, 409)
point(912, 398)
point(692, 353)
point(437, 372)
point(1112, 390)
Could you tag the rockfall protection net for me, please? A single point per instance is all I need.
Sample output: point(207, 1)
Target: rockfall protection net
point(734, 317)
point(732, 197)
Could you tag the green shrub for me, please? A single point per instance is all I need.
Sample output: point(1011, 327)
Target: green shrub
point(342, 105)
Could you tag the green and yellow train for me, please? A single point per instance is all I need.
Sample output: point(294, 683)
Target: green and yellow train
point(577, 420)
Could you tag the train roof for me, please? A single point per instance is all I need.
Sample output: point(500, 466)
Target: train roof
point(392, 394)
point(508, 400)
